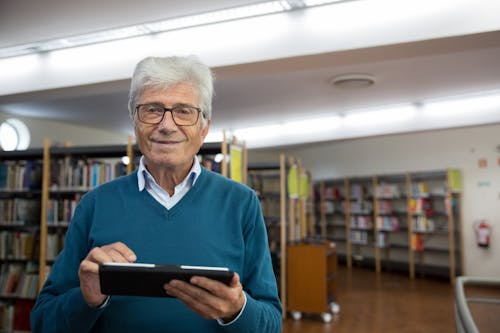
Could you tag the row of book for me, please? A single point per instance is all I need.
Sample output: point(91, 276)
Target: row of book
point(330, 207)
point(264, 183)
point(6, 317)
point(19, 280)
point(382, 240)
point(423, 224)
point(23, 245)
point(421, 206)
point(359, 191)
point(270, 206)
point(388, 223)
point(20, 211)
point(81, 174)
point(18, 245)
point(333, 193)
point(387, 191)
point(55, 243)
point(21, 175)
point(15, 316)
point(423, 190)
point(417, 242)
point(61, 211)
point(359, 237)
point(362, 222)
point(361, 207)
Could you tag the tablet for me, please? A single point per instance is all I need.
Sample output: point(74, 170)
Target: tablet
point(135, 279)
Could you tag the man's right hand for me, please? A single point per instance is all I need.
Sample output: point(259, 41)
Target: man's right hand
point(88, 273)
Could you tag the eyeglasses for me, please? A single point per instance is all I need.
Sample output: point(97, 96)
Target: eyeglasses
point(182, 115)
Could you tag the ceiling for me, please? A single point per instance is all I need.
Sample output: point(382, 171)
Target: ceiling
point(250, 93)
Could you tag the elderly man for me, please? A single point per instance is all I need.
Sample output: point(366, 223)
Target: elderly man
point(171, 211)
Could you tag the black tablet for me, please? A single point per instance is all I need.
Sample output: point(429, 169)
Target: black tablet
point(135, 279)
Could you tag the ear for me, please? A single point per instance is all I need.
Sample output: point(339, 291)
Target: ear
point(204, 131)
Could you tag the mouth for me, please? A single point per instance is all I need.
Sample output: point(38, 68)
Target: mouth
point(165, 141)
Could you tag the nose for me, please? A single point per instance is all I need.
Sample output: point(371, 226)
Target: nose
point(167, 121)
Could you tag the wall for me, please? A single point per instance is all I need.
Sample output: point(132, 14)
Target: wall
point(59, 133)
point(453, 148)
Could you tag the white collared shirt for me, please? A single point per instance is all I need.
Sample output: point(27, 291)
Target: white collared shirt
point(146, 181)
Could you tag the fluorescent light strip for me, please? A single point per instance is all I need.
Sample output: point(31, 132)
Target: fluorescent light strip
point(259, 9)
point(470, 105)
point(311, 3)
point(381, 116)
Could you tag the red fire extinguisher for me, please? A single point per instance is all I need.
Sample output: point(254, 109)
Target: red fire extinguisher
point(483, 233)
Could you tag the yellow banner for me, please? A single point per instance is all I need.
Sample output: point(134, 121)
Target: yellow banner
point(236, 157)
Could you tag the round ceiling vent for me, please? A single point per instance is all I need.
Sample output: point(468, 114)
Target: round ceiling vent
point(353, 81)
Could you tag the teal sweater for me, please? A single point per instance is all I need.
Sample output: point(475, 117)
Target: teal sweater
point(217, 223)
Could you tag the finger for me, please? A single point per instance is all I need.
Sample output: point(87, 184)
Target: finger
point(116, 256)
point(235, 281)
point(197, 299)
point(213, 286)
point(123, 250)
point(98, 255)
point(87, 266)
point(218, 288)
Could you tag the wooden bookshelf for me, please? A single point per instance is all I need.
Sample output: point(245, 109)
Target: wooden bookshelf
point(288, 218)
point(415, 222)
point(20, 211)
point(268, 180)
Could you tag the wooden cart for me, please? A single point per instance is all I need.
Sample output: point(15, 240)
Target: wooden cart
point(311, 279)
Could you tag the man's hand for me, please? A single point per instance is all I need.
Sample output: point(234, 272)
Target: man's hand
point(209, 298)
point(88, 273)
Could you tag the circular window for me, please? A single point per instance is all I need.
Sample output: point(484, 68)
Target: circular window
point(14, 135)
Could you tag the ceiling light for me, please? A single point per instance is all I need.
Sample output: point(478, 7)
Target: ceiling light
point(311, 3)
point(462, 106)
point(228, 14)
point(353, 81)
point(382, 116)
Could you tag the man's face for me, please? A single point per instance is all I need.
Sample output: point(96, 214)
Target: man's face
point(166, 145)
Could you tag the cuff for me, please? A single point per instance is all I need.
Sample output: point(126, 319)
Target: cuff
point(222, 323)
point(103, 304)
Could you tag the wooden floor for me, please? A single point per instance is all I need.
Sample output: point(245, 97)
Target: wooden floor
point(385, 303)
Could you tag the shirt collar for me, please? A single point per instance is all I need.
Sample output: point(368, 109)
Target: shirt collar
point(143, 174)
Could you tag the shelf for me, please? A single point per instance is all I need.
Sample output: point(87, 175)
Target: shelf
point(17, 155)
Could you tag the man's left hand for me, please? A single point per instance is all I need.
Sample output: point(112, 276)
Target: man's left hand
point(209, 298)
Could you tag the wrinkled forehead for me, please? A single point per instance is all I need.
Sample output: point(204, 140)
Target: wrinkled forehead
point(182, 90)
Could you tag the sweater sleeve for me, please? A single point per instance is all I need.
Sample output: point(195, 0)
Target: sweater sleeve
point(262, 312)
point(60, 306)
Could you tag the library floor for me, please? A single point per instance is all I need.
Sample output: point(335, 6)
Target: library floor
point(390, 303)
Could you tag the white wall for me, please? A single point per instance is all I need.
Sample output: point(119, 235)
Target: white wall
point(453, 148)
point(59, 133)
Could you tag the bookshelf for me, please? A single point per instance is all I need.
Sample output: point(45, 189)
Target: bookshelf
point(269, 182)
point(434, 224)
point(285, 192)
point(20, 212)
point(362, 231)
point(407, 222)
point(391, 221)
point(331, 212)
